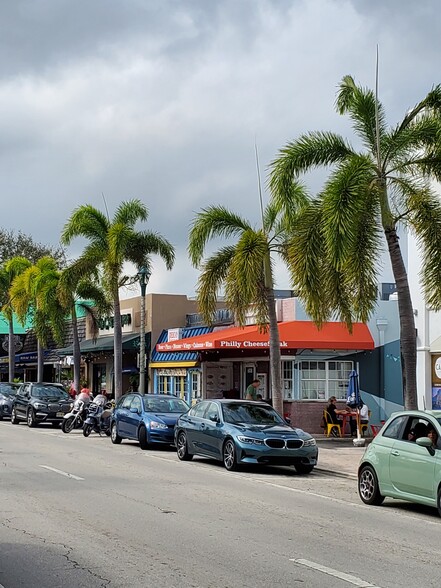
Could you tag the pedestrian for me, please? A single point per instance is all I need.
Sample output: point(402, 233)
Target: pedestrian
point(72, 391)
point(251, 393)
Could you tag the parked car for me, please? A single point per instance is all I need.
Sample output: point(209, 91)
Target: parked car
point(243, 432)
point(149, 418)
point(40, 402)
point(402, 461)
point(7, 392)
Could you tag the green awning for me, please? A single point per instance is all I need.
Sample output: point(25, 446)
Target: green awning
point(129, 341)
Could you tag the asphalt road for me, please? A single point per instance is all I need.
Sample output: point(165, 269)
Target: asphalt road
point(79, 512)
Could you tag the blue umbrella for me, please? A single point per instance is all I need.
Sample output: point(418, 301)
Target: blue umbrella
point(353, 396)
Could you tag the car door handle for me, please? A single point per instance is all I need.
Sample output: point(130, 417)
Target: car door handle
point(395, 452)
point(202, 425)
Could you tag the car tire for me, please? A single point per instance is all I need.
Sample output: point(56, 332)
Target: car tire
point(87, 429)
point(303, 468)
point(143, 438)
point(14, 419)
point(30, 418)
point(229, 456)
point(114, 437)
point(182, 447)
point(368, 487)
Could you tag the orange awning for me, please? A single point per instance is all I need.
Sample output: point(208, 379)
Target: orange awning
point(293, 335)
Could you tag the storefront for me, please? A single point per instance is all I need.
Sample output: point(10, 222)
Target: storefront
point(315, 363)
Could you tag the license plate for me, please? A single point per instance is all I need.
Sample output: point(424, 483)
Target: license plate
point(60, 414)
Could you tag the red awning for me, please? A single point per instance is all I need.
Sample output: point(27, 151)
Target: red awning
point(293, 335)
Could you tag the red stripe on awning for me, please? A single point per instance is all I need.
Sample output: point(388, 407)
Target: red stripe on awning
point(293, 335)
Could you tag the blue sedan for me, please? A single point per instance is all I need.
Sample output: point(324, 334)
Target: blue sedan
point(149, 419)
point(243, 432)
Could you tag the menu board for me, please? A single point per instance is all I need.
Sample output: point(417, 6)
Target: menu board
point(218, 379)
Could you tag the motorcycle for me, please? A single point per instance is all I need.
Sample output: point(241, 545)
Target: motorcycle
point(75, 418)
point(98, 419)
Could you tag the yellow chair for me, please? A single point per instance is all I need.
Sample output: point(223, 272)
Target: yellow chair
point(330, 425)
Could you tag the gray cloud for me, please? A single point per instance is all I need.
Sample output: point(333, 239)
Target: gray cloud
point(164, 100)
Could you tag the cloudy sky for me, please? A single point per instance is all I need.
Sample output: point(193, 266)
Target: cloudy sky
point(163, 100)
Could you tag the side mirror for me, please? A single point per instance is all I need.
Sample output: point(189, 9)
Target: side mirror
point(287, 420)
point(214, 418)
point(424, 442)
point(134, 410)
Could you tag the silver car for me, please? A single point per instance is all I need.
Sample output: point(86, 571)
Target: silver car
point(7, 392)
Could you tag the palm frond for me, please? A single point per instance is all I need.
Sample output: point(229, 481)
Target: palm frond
point(210, 280)
point(86, 221)
point(307, 152)
point(130, 212)
point(214, 221)
point(343, 203)
point(143, 244)
point(360, 104)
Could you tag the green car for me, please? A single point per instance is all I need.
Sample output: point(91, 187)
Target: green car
point(404, 460)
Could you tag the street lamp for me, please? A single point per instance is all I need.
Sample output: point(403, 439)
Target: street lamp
point(143, 276)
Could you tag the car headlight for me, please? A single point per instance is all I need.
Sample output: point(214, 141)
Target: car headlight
point(156, 425)
point(2, 397)
point(250, 440)
point(309, 442)
point(39, 405)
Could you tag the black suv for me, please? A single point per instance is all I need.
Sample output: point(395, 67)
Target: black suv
point(40, 402)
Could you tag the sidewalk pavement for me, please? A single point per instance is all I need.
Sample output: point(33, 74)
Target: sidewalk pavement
point(339, 456)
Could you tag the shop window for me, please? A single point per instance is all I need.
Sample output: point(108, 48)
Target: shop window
point(316, 380)
point(165, 385)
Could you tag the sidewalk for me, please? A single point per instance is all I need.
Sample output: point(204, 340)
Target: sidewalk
point(339, 456)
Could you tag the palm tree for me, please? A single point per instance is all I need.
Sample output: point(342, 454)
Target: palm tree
point(35, 290)
point(8, 272)
point(111, 244)
point(333, 255)
point(245, 269)
point(78, 284)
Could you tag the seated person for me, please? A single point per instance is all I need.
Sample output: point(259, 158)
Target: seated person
point(332, 413)
point(364, 417)
point(419, 430)
point(433, 435)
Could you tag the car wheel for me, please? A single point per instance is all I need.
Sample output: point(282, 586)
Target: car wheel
point(14, 419)
point(143, 438)
point(303, 468)
point(114, 437)
point(87, 429)
point(368, 487)
point(182, 447)
point(229, 455)
point(31, 418)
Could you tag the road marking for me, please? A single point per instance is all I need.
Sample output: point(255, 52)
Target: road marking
point(61, 472)
point(330, 572)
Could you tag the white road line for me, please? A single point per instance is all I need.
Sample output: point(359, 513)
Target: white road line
point(330, 572)
point(61, 472)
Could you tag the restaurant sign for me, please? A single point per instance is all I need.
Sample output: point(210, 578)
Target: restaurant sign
point(107, 324)
point(220, 344)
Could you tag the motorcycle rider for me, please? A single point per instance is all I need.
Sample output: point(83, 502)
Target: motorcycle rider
point(101, 400)
point(85, 395)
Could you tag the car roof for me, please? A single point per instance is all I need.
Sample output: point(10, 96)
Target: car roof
point(237, 401)
point(422, 413)
point(152, 395)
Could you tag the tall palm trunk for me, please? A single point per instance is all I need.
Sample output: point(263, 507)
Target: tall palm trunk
point(76, 351)
point(274, 352)
point(117, 349)
point(274, 339)
point(40, 361)
point(407, 322)
point(11, 350)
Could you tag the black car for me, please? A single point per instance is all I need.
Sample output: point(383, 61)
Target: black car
point(40, 402)
point(7, 392)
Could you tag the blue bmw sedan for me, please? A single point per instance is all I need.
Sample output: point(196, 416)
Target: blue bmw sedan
point(149, 418)
point(243, 432)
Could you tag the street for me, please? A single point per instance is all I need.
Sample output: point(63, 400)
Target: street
point(85, 513)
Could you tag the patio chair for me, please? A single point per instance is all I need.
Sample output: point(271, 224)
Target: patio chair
point(329, 424)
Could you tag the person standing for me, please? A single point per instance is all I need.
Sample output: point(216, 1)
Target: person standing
point(251, 393)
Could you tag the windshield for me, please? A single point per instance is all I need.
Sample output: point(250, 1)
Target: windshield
point(49, 391)
point(8, 389)
point(165, 405)
point(251, 414)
